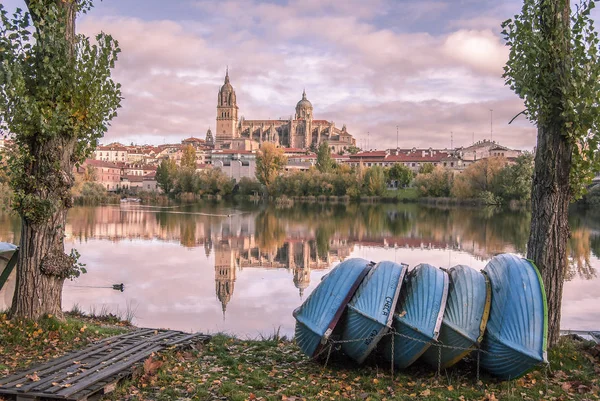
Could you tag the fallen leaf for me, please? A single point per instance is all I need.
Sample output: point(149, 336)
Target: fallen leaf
point(34, 377)
point(425, 393)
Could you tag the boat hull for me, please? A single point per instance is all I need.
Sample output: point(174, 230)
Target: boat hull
point(418, 315)
point(517, 329)
point(371, 310)
point(318, 316)
point(465, 317)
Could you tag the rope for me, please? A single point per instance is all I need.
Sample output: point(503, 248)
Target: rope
point(331, 343)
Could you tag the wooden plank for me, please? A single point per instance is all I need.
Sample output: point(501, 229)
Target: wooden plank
point(90, 366)
point(103, 365)
point(66, 378)
point(66, 392)
point(69, 357)
point(59, 363)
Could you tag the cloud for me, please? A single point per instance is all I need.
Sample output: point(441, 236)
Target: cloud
point(357, 69)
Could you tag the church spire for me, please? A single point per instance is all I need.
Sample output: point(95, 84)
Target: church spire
point(304, 94)
point(227, 75)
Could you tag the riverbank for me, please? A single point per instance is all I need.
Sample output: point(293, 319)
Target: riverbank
point(274, 368)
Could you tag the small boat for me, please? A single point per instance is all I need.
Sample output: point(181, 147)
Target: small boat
point(418, 315)
point(317, 317)
point(465, 318)
point(371, 309)
point(517, 329)
point(8, 260)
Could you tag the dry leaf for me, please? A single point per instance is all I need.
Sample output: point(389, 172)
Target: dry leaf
point(425, 393)
point(34, 377)
point(151, 366)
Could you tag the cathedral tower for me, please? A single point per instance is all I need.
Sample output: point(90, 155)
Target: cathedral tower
point(227, 113)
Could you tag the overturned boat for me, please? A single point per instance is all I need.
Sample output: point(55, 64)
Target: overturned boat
point(517, 329)
point(318, 316)
point(465, 318)
point(418, 315)
point(371, 309)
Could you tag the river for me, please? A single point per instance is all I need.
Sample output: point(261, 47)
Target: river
point(242, 269)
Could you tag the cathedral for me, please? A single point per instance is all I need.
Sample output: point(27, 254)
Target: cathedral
point(302, 131)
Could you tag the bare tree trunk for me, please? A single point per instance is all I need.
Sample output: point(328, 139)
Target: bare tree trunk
point(551, 192)
point(42, 264)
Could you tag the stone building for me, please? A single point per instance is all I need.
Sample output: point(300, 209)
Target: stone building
point(301, 131)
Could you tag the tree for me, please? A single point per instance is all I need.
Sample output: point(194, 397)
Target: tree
point(374, 181)
point(270, 162)
point(188, 160)
point(352, 149)
point(514, 181)
point(325, 162)
point(426, 168)
point(166, 174)
point(56, 98)
point(554, 67)
point(436, 184)
point(481, 176)
point(401, 174)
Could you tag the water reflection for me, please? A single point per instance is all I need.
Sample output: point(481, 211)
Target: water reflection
point(256, 255)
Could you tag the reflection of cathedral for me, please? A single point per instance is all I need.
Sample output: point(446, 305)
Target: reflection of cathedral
point(225, 270)
point(299, 256)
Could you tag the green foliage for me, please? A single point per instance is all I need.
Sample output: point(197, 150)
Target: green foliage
point(165, 175)
point(249, 187)
point(426, 168)
point(401, 174)
point(325, 162)
point(57, 99)
point(188, 160)
point(567, 101)
point(374, 181)
point(352, 150)
point(514, 181)
point(270, 162)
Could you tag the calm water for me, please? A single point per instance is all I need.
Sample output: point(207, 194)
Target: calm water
point(243, 269)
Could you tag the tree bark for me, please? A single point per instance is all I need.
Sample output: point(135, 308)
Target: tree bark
point(551, 191)
point(550, 198)
point(42, 263)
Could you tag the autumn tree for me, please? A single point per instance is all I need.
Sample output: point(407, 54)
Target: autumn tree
point(56, 98)
point(188, 160)
point(478, 178)
point(166, 174)
point(270, 162)
point(325, 162)
point(554, 67)
point(436, 184)
point(374, 181)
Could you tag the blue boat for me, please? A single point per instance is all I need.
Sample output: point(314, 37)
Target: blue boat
point(8, 260)
point(418, 316)
point(517, 330)
point(465, 318)
point(371, 309)
point(317, 317)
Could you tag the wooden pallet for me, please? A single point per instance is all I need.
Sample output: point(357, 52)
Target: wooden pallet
point(94, 370)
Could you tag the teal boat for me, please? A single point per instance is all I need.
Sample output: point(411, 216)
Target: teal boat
point(418, 315)
point(318, 316)
point(465, 318)
point(517, 329)
point(371, 309)
point(8, 261)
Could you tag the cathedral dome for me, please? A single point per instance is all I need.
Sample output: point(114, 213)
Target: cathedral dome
point(304, 103)
point(226, 86)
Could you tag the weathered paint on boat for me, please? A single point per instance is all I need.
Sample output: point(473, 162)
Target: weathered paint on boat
point(371, 309)
point(317, 317)
point(517, 330)
point(418, 315)
point(465, 317)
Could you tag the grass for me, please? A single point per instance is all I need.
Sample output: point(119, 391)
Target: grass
point(401, 195)
point(275, 369)
point(24, 342)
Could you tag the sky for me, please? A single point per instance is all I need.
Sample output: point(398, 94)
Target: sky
point(413, 73)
